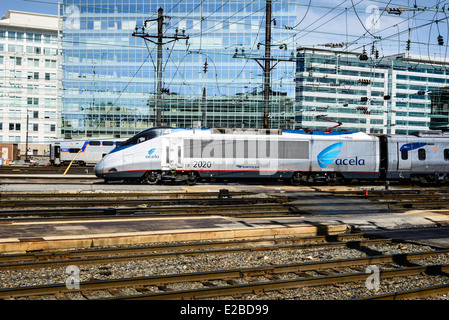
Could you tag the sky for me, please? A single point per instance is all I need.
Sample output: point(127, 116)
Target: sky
point(28, 6)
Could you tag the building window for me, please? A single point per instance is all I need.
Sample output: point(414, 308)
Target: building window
point(15, 61)
point(33, 62)
point(33, 101)
point(50, 63)
point(50, 76)
point(14, 126)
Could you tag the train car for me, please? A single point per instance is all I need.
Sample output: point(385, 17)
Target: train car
point(83, 152)
point(421, 158)
point(190, 154)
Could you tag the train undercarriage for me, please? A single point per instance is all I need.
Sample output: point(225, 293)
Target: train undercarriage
point(298, 178)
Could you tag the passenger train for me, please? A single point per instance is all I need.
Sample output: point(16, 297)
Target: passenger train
point(82, 152)
point(298, 156)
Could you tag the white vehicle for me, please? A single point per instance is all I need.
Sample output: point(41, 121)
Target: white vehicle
point(83, 152)
point(190, 154)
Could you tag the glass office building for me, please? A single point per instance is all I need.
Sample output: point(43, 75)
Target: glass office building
point(212, 79)
point(365, 92)
point(439, 119)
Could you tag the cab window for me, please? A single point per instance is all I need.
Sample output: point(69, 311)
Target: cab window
point(143, 136)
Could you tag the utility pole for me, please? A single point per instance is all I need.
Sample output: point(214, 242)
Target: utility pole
point(266, 65)
point(203, 102)
point(160, 25)
point(26, 138)
point(160, 38)
point(267, 68)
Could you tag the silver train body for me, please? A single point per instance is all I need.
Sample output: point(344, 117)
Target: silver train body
point(422, 157)
point(190, 154)
point(82, 152)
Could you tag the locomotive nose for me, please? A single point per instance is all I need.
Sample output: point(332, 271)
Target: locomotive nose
point(99, 169)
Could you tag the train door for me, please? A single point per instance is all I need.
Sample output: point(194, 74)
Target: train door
point(57, 152)
point(171, 153)
point(404, 158)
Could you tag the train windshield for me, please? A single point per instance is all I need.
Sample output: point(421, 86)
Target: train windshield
point(146, 135)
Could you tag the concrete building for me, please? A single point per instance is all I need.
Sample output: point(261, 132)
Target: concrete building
point(366, 92)
point(29, 80)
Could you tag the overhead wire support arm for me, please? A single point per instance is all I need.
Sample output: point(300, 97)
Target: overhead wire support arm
point(266, 66)
point(160, 42)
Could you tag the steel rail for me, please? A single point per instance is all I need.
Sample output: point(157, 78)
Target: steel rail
point(271, 207)
point(134, 257)
point(115, 195)
point(238, 273)
point(73, 254)
point(109, 214)
point(48, 169)
point(412, 293)
point(414, 191)
point(281, 284)
point(34, 203)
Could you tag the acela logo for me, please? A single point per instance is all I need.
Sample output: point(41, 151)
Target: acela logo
point(151, 154)
point(329, 154)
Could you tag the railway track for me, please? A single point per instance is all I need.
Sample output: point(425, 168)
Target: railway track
point(26, 170)
point(94, 205)
point(99, 256)
point(290, 277)
point(17, 205)
point(427, 198)
point(249, 209)
point(261, 280)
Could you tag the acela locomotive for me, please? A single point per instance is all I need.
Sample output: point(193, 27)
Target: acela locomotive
point(299, 156)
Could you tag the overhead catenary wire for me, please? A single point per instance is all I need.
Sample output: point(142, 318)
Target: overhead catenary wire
point(309, 6)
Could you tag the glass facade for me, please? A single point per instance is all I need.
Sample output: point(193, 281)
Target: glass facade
point(213, 79)
point(373, 95)
point(439, 119)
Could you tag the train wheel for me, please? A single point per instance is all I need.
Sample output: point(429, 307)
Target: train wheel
point(296, 179)
point(192, 179)
point(151, 178)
